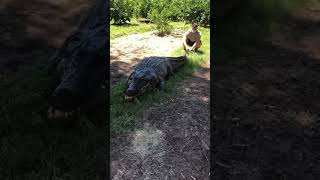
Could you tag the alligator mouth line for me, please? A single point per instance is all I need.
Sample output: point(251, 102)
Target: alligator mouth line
point(144, 88)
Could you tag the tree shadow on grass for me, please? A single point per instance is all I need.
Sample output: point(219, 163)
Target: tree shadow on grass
point(199, 51)
point(126, 24)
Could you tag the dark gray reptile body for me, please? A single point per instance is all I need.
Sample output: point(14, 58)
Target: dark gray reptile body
point(151, 72)
point(81, 61)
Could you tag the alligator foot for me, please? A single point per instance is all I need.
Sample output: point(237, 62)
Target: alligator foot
point(161, 84)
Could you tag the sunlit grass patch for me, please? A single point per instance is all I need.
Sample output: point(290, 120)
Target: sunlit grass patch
point(136, 27)
point(133, 28)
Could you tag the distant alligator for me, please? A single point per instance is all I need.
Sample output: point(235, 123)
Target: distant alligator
point(151, 72)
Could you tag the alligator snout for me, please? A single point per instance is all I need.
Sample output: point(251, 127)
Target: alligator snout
point(131, 92)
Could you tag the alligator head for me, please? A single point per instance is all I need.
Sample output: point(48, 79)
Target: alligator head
point(139, 81)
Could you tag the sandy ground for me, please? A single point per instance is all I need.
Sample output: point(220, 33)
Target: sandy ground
point(127, 51)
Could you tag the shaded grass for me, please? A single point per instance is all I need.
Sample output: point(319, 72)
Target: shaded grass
point(253, 21)
point(32, 148)
point(249, 25)
point(126, 116)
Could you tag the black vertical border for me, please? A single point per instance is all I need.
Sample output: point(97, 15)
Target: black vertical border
point(108, 91)
point(212, 60)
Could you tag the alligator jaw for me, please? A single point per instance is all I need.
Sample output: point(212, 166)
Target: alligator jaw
point(129, 97)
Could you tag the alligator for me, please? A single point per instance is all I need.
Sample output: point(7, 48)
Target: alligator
point(80, 63)
point(151, 73)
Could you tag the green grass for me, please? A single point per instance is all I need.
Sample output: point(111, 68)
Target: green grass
point(132, 28)
point(251, 24)
point(253, 21)
point(31, 148)
point(126, 116)
point(136, 27)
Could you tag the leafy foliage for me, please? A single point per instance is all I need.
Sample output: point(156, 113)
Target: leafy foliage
point(160, 18)
point(142, 8)
point(197, 10)
point(178, 10)
point(121, 11)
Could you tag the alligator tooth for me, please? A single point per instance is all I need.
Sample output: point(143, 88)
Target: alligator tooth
point(128, 97)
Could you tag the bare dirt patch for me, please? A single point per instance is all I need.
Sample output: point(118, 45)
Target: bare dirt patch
point(303, 31)
point(266, 108)
point(174, 141)
point(127, 51)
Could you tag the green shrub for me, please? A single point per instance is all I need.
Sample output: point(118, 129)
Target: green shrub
point(121, 11)
point(160, 19)
point(175, 12)
point(161, 11)
point(197, 10)
point(178, 10)
point(142, 8)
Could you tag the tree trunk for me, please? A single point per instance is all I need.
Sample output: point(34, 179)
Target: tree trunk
point(81, 61)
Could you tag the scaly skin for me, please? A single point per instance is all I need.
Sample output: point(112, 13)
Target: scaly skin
point(81, 63)
point(152, 72)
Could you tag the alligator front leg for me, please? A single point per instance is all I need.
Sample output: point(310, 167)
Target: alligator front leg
point(161, 83)
point(170, 70)
point(170, 73)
